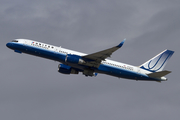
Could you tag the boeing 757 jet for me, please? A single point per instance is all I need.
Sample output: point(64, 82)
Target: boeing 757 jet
point(73, 62)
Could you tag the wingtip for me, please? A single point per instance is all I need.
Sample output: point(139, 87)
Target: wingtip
point(121, 44)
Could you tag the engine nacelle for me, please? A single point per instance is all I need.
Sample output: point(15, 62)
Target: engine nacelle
point(74, 59)
point(64, 69)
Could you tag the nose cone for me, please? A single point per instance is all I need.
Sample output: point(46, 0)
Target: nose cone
point(9, 45)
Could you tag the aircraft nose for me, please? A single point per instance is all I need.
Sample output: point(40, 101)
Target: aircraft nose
point(9, 45)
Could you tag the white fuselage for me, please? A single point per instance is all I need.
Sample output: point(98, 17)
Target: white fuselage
point(109, 67)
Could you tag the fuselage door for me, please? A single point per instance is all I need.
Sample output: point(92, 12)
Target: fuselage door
point(56, 50)
point(26, 45)
point(139, 71)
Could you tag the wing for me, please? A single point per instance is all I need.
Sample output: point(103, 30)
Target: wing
point(96, 58)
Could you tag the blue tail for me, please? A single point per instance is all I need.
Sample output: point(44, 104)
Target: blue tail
point(158, 62)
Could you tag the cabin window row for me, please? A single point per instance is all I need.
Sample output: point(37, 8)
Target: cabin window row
point(113, 64)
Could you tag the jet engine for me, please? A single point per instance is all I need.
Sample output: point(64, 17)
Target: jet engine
point(74, 59)
point(64, 69)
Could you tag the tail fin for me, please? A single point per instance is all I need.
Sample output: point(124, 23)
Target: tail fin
point(158, 62)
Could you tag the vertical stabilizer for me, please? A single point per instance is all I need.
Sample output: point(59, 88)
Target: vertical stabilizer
point(158, 62)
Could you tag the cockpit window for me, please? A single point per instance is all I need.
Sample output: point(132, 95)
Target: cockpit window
point(14, 41)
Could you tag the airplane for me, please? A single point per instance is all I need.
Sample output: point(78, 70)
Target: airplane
point(73, 62)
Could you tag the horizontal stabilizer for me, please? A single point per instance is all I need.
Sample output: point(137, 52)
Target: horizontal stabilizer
point(159, 74)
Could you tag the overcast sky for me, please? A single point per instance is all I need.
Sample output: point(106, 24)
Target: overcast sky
point(32, 89)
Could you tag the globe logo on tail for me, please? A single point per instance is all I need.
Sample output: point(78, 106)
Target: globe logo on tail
point(158, 62)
